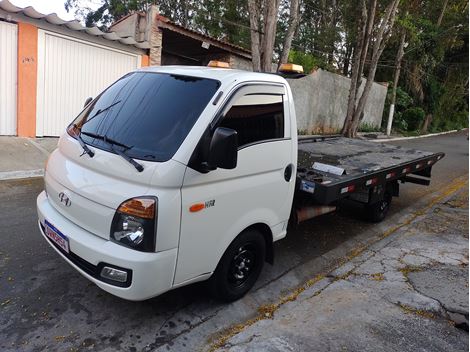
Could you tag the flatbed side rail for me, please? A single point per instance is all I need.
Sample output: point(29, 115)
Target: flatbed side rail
point(330, 191)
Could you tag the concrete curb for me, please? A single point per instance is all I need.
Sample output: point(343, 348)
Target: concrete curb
point(13, 175)
point(412, 137)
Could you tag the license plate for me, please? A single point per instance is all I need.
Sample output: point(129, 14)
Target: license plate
point(58, 237)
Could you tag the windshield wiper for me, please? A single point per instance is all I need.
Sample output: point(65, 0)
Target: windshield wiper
point(85, 148)
point(99, 111)
point(112, 143)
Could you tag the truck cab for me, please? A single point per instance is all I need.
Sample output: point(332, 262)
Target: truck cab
point(174, 175)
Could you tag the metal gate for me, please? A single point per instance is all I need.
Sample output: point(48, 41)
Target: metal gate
point(69, 71)
point(8, 75)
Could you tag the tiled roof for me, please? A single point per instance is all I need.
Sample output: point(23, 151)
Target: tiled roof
point(74, 25)
point(191, 31)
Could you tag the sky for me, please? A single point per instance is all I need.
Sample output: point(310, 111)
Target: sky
point(49, 6)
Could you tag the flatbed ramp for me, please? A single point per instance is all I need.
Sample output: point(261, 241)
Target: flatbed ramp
point(331, 168)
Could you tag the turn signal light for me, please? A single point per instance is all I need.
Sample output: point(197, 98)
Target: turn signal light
point(219, 64)
point(140, 207)
point(196, 207)
point(291, 68)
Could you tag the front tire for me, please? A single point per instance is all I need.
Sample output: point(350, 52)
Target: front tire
point(239, 267)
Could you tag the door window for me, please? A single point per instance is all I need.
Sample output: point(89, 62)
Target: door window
point(256, 118)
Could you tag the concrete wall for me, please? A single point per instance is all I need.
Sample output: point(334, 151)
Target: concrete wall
point(127, 26)
point(321, 100)
point(240, 63)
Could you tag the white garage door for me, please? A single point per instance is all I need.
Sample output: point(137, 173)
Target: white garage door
point(69, 71)
point(8, 55)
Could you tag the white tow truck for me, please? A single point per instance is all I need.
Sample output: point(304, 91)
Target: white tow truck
point(175, 175)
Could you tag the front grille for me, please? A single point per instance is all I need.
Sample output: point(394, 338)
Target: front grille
point(90, 269)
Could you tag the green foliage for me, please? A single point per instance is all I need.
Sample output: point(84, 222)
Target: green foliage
point(108, 11)
point(308, 61)
point(456, 121)
point(435, 66)
point(413, 117)
point(368, 127)
point(224, 19)
point(402, 101)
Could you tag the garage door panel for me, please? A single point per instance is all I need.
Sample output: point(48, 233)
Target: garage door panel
point(73, 71)
point(8, 77)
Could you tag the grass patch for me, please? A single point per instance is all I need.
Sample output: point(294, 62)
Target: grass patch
point(410, 269)
point(419, 312)
point(368, 127)
point(377, 277)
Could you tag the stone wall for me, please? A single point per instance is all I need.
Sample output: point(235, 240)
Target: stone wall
point(240, 63)
point(321, 100)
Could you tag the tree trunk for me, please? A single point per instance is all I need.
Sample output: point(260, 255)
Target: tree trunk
point(269, 34)
point(332, 29)
point(294, 19)
point(185, 10)
point(366, 40)
point(355, 70)
point(395, 81)
point(255, 12)
point(263, 33)
point(441, 16)
point(426, 124)
point(386, 24)
point(347, 59)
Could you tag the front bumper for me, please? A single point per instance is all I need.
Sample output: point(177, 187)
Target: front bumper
point(152, 273)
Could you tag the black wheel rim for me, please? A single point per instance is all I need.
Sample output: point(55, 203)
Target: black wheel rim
point(242, 265)
point(384, 204)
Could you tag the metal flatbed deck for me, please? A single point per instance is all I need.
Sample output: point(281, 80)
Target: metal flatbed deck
point(357, 164)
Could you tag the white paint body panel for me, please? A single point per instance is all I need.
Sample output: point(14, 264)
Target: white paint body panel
point(70, 71)
point(8, 77)
point(97, 186)
point(254, 192)
point(189, 245)
point(152, 273)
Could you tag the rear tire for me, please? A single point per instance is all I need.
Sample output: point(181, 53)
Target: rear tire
point(239, 267)
point(378, 211)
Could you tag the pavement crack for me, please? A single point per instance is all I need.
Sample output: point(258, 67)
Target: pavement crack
point(159, 342)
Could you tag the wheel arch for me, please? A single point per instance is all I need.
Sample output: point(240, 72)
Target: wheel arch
point(265, 230)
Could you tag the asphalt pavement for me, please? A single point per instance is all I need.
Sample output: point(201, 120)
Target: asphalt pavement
point(47, 305)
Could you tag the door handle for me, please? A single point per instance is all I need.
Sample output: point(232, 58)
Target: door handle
point(288, 172)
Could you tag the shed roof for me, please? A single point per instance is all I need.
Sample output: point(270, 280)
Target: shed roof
point(164, 22)
point(74, 25)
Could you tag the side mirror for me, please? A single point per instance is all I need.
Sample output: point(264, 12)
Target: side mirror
point(223, 151)
point(87, 101)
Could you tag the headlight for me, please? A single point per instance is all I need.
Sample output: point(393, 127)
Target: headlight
point(135, 223)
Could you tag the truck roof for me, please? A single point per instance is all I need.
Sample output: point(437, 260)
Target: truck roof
point(220, 74)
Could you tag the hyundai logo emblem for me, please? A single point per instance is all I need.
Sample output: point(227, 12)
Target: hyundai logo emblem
point(64, 199)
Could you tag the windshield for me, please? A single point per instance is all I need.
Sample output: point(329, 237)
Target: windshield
point(151, 113)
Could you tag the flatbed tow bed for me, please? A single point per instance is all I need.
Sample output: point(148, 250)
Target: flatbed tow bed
point(330, 168)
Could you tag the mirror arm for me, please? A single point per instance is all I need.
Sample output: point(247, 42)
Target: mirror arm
point(205, 167)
